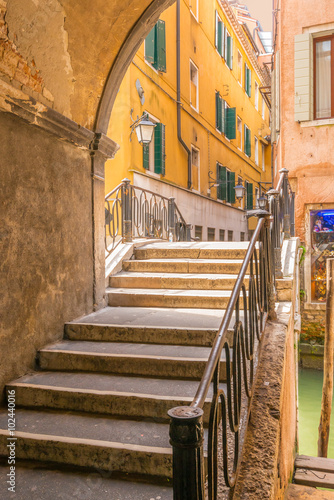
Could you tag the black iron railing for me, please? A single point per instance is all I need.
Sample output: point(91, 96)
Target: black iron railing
point(134, 212)
point(251, 303)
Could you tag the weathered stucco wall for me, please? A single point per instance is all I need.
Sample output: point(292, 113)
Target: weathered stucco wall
point(61, 51)
point(46, 241)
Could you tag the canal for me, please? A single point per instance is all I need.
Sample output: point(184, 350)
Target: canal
point(310, 391)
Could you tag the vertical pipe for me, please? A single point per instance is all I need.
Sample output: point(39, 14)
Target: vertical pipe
point(178, 85)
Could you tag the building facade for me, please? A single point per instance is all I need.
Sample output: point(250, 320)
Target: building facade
point(198, 78)
point(303, 133)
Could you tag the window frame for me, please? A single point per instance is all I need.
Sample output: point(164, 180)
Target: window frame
point(194, 148)
point(316, 40)
point(152, 155)
point(256, 151)
point(196, 16)
point(192, 64)
point(256, 95)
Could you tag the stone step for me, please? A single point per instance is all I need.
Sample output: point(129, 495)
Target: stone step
point(130, 397)
point(155, 325)
point(38, 483)
point(191, 250)
point(194, 266)
point(151, 360)
point(124, 446)
point(181, 281)
point(152, 297)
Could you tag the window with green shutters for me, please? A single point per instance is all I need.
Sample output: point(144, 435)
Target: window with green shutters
point(229, 51)
point(249, 196)
point(248, 80)
point(154, 153)
point(220, 113)
point(222, 182)
point(226, 184)
point(247, 141)
point(230, 123)
point(230, 187)
point(155, 47)
point(220, 35)
point(159, 149)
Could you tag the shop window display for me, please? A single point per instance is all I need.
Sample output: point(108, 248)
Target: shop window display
point(322, 241)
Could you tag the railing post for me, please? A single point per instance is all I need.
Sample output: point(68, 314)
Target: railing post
point(188, 232)
point(126, 211)
point(186, 437)
point(292, 215)
point(286, 204)
point(171, 219)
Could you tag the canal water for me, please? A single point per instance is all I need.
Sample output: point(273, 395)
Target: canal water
point(310, 392)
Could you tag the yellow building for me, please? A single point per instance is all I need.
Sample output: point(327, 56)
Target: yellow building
point(201, 82)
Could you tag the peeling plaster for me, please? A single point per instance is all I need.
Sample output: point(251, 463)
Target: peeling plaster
point(36, 27)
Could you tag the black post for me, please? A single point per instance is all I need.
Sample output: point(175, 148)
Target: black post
point(171, 219)
point(286, 204)
point(126, 211)
point(186, 437)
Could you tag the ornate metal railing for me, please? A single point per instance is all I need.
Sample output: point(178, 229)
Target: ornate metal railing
point(250, 305)
point(134, 212)
point(282, 208)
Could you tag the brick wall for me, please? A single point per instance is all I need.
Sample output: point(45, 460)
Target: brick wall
point(14, 70)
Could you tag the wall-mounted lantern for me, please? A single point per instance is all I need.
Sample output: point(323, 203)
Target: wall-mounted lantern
point(143, 127)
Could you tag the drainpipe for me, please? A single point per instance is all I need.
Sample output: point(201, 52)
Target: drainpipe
point(178, 84)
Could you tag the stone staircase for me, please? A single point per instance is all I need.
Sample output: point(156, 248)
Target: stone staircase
point(98, 402)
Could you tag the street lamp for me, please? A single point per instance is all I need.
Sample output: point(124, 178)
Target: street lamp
point(262, 202)
point(144, 129)
point(239, 191)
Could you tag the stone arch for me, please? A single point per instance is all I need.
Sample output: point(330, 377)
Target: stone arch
point(123, 59)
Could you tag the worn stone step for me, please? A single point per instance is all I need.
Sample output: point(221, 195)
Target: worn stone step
point(153, 360)
point(130, 397)
point(35, 482)
point(125, 446)
point(181, 281)
point(152, 297)
point(193, 250)
point(155, 325)
point(201, 266)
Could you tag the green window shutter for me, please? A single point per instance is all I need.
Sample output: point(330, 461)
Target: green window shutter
point(230, 123)
point(249, 196)
point(146, 156)
point(247, 147)
point(222, 187)
point(150, 46)
point(231, 190)
point(223, 115)
point(229, 44)
point(249, 82)
point(219, 109)
point(246, 77)
point(159, 149)
point(161, 46)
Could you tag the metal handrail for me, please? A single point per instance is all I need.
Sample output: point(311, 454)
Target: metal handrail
point(186, 427)
point(135, 212)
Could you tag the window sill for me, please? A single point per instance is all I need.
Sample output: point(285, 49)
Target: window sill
point(318, 123)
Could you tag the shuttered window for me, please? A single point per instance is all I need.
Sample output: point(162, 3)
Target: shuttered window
point(155, 47)
point(219, 38)
point(154, 154)
point(230, 123)
point(230, 187)
point(249, 196)
point(247, 141)
point(229, 51)
point(220, 113)
point(248, 80)
point(222, 177)
point(159, 149)
point(303, 78)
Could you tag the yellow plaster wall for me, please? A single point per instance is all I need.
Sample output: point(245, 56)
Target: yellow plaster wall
point(198, 128)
